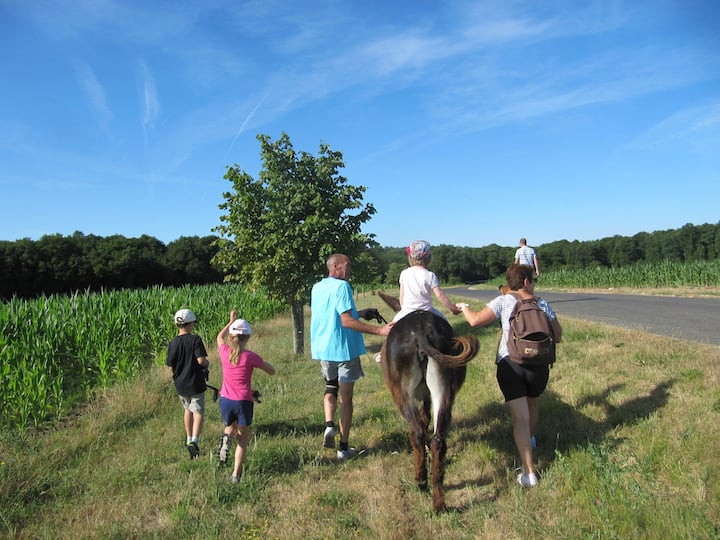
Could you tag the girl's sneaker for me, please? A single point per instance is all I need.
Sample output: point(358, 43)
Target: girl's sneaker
point(223, 449)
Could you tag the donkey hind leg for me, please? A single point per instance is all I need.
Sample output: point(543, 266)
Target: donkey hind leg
point(417, 414)
point(441, 390)
point(439, 450)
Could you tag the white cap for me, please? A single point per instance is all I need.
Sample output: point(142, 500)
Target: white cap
point(240, 327)
point(184, 316)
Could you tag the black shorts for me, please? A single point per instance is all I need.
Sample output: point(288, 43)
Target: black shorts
point(518, 381)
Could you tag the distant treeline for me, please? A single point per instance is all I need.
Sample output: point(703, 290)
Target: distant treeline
point(61, 264)
point(466, 265)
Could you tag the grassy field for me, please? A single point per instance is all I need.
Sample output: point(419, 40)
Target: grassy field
point(627, 448)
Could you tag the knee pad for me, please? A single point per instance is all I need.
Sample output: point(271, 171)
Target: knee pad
point(331, 387)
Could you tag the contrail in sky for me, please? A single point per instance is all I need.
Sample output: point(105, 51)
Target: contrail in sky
point(247, 119)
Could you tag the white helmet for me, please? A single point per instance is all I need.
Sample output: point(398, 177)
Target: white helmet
point(184, 316)
point(240, 328)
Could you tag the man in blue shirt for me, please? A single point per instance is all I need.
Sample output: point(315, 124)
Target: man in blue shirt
point(336, 341)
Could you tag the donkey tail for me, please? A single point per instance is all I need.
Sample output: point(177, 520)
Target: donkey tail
point(464, 348)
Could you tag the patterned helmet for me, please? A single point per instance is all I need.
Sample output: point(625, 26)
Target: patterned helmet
point(418, 249)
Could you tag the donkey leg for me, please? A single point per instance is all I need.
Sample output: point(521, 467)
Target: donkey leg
point(418, 442)
point(443, 397)
point(439, 451)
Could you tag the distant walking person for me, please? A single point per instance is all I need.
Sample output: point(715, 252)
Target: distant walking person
point(526, 255)
point(336, 341)
point(236, 394)
point(187, 357)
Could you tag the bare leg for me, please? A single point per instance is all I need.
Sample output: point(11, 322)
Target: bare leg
point(346, 410)
point(330, 406)
point(243, 434)
point(520, 413)
point(533, 410)
point(188, 422)
point(197, 424)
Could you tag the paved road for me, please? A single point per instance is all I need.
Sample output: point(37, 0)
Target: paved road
point(696, 319)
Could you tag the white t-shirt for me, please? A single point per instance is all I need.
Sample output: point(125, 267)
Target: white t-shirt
point(418, 283)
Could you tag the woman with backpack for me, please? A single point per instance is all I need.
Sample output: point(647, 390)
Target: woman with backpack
point(520, 380)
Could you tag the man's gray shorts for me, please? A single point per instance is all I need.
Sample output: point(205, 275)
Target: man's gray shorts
point(344, 372)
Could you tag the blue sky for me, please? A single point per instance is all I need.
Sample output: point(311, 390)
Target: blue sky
point(469, 122)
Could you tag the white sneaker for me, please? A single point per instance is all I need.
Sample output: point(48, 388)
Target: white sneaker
point(378, 357)
point(224, 448)
point(329, 437)
point(346, 454)
point(527, 480)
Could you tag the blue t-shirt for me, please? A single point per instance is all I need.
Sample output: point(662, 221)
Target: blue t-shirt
point(329, 340)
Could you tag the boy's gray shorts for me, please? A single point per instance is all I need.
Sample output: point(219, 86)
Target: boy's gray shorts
point(195, 404)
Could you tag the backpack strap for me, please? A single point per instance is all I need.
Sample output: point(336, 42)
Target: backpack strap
point(520, 298)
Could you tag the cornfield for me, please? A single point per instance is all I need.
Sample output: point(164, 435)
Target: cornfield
point(55, 351)
point(645, 275)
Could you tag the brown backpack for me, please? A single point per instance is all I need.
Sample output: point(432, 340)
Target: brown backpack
point(531, 340)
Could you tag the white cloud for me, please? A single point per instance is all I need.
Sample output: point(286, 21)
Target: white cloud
point(697, 128)
point(95, 94)
point(150, 104)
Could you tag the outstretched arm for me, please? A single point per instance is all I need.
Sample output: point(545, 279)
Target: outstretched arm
point(477, 318)
point(220, 339)
point(267, 368)
point(440, 294)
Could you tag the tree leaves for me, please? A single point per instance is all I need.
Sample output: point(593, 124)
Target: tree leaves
point(279, 229)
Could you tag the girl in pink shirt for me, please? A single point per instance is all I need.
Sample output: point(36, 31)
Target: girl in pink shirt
point(236, 396)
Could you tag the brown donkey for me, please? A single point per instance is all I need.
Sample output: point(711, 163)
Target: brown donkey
point(424, 364)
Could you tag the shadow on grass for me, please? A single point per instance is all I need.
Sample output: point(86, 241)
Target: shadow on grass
point(562, 427)
point(291, 428)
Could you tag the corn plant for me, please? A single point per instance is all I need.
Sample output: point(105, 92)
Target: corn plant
point(666, 274)
point(56, 350)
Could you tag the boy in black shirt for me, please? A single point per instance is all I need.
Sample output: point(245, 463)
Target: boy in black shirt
point(188, 359)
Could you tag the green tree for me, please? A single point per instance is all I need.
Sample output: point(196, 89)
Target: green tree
point(392, 277)
point(278, 230)
point(365, 270)
point(187, 260)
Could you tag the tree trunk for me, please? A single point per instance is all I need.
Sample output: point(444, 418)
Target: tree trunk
point(298, 320)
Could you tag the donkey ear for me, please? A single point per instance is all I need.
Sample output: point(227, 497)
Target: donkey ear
point(391, 301)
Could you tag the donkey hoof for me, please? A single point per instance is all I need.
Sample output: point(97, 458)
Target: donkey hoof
point(439, 507)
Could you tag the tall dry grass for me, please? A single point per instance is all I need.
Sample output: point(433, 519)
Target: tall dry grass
point(627, 449)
